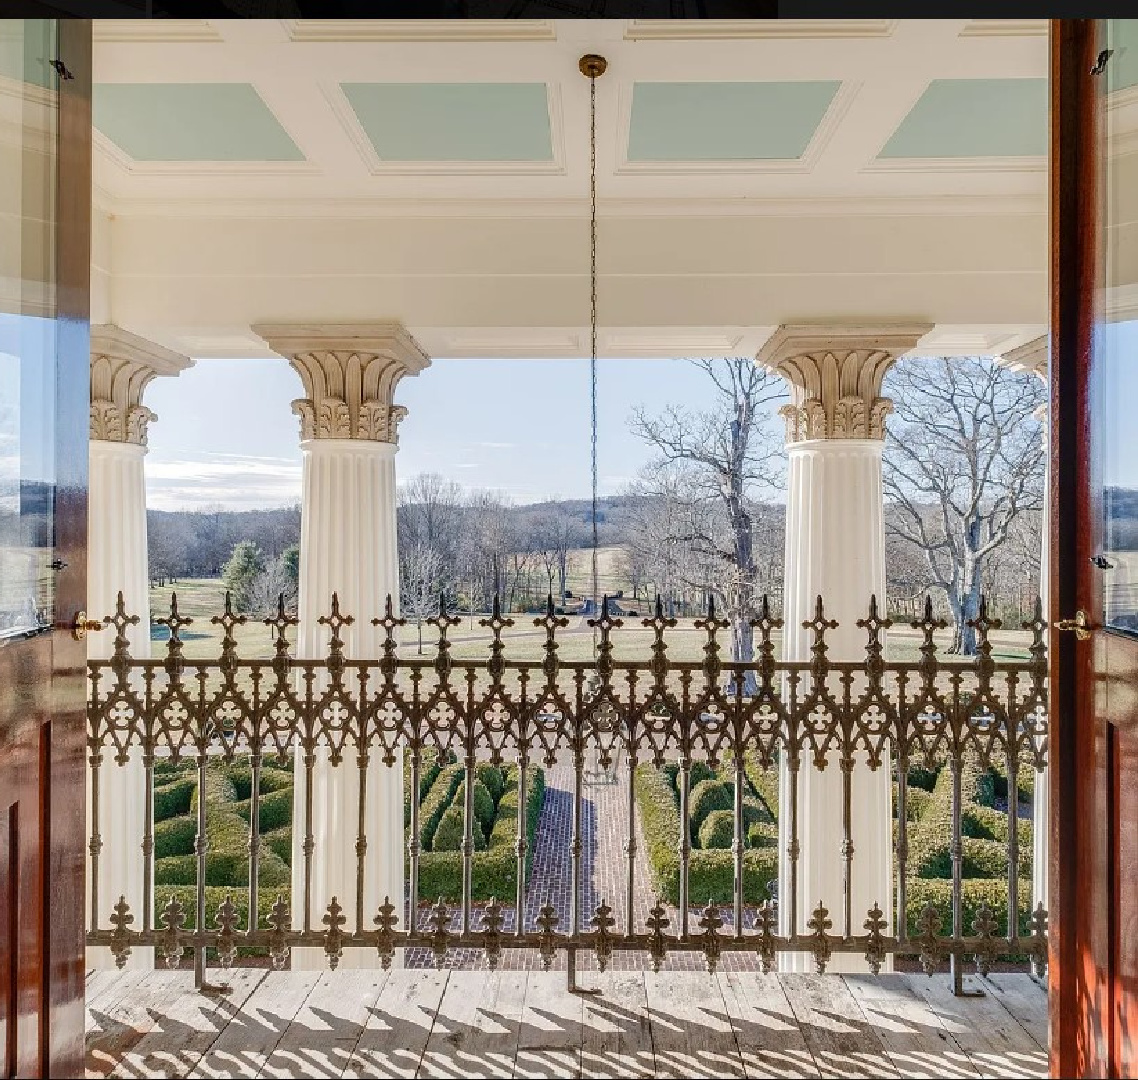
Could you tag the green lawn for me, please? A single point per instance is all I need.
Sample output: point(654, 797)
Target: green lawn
point(201, 599)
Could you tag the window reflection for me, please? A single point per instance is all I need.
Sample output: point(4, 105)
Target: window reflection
point(1118, 330)
point(28, 106)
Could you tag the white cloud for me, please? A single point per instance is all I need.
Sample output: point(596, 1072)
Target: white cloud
point(234, 481)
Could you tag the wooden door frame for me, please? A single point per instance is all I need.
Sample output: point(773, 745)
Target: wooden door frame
point(1080, 923)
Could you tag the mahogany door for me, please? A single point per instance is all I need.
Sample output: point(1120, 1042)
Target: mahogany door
point(1094, 578)
point(45, 199)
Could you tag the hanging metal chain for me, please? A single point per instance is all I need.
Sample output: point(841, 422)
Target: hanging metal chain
point(593, 311)
point(592, 66)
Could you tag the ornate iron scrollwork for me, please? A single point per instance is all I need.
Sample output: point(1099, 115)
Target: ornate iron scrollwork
point(796, 714)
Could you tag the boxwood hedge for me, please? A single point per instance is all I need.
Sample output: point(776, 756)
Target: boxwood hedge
point(985, 830)
point(228, 791)
point(494, 871)
point(711, 873)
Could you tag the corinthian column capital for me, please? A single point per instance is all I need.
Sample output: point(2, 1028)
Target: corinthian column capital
point(835, 375)
point(349, 374)
point(122, 365)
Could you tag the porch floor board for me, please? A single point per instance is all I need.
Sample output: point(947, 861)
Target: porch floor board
point(424, 1023)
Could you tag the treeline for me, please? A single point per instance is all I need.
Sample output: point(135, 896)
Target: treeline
point(199, 543)
point(470, 544)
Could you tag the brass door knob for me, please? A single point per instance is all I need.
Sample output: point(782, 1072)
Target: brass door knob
point(1079, 624)
point(82, 625)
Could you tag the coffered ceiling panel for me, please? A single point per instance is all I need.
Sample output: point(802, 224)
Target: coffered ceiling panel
point(191, 122)
point(454, 121)
point(974, 118)
point(725, 121)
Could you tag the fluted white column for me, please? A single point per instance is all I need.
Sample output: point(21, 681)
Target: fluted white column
point(1033, 358)
point(347, 547)
point(835, 548)
point(122, 365)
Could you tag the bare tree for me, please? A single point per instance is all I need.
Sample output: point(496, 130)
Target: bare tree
point(555, 534)
point(431, 512)
point(731, 452)
point(420, 584)
point(670, 512)
point(963, 462)
point(632, 564)
point(487, 536)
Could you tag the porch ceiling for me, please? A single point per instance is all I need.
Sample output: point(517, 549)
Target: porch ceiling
point(749, 174)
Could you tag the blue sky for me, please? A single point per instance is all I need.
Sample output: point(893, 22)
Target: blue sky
point(226, 436)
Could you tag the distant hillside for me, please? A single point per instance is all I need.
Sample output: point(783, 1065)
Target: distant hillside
point(196, 543)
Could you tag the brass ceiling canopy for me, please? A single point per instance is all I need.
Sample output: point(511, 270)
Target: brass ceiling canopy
point(592, 66)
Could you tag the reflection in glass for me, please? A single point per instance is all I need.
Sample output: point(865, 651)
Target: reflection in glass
point(1117, 329)
point(28, 107)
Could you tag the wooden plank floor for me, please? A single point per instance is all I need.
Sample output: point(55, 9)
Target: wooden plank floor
point(517, 1023)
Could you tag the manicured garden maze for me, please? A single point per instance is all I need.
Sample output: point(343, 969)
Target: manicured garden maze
point(984, 795)
point(441, 795)
point(228, 806)
point(711, 872)
point(985, 792)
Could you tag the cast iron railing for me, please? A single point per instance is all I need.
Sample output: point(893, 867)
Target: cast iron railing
point(808, 714)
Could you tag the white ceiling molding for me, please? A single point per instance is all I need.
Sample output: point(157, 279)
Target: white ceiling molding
point(663, 342)
point(1120, 303)
point(1006, 28)
point(377, 166)
point(971, 341)
point(220, 346)
point(1032, 164)
point(1122, 118)
point(28, 116)
point(112, 153)
point(15, 95)
point(1122, 99)
point(742, 29)
point(572, 207)
point(349, 30)
point(1125, 144)
point(819, 140)
point(154, 30)
point(508, 343)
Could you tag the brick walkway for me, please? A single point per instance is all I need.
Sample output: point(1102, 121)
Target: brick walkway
point(604, 869)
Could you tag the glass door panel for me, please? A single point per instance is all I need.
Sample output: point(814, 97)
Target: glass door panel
point(29, 111)
point(1117, 327)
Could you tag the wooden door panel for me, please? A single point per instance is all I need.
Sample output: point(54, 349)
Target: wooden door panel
point(25, 672)
point(1094, 709)
point(1125, 1006)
